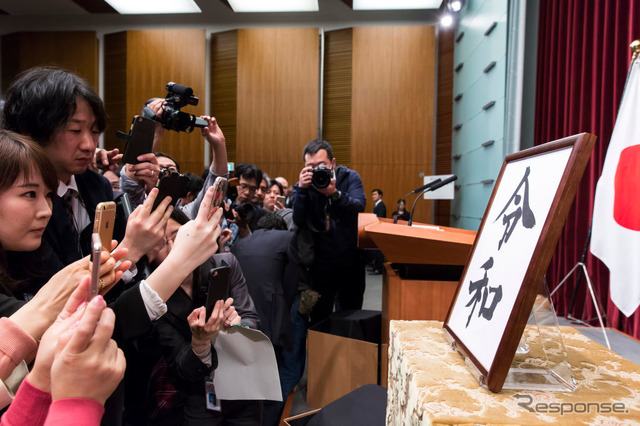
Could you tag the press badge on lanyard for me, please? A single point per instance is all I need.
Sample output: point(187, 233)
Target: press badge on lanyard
point(210, 391)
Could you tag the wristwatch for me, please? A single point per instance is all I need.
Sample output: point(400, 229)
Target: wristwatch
point(334, 197)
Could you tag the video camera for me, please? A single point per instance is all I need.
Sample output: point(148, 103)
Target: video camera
point(172, 118)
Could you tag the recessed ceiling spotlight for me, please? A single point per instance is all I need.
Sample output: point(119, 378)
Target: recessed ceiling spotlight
point(446, 20)
point(455, 5)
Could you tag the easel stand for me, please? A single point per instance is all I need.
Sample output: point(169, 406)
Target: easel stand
point(594, 299)
point(540, 364)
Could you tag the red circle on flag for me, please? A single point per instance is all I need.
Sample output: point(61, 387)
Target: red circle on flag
point(626, 204)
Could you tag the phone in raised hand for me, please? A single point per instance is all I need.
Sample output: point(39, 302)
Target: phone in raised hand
point(96, 249)
point(218, 287)
point(219, 189)
point(104, 221)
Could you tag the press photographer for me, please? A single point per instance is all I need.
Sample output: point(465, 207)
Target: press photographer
point(326, 201)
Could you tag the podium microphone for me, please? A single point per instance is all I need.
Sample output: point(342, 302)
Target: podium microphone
point(415, 191)
point(439, 183)
point(423, 187)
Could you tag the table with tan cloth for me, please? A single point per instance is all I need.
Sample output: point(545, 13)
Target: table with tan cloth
point(430, 384)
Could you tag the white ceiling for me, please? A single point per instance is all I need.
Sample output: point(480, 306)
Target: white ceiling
point(47, 15)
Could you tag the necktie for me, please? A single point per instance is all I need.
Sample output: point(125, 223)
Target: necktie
point(67, 199)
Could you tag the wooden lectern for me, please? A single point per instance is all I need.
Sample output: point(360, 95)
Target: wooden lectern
point(424, 265)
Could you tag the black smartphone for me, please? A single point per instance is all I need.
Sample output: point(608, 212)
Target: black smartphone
point(172, 184)
point(140, 140)
point(218, 287)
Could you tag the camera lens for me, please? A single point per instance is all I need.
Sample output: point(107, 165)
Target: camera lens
point(321, 177)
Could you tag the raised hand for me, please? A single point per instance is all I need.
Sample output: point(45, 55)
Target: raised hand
point(146, 172)
point(145, 228)
point(195, 242)
point(202, 329)
point(40, 375)
point(87, 362)
point(106, 160)
point(41, 311)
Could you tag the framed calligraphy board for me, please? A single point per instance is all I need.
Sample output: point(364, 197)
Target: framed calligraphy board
point(513, 247)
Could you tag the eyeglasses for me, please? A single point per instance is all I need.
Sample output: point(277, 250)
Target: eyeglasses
point(249, 188)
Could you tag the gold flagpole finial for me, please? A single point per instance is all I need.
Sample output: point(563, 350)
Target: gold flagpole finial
point(635, 47)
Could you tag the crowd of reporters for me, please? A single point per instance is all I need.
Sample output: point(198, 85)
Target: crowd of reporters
point(291, 252)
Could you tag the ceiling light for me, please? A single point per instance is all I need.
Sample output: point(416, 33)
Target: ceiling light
point(396, 4)
point(446, 20)
point(455, 5)
point(273, 5)
point(152, 7)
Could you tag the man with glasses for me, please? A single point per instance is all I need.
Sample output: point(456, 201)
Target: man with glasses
point(249, 176)
point(247, 213)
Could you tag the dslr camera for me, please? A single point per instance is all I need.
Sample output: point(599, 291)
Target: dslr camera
point(321, 176)
point(172, 118)
point(244, 210)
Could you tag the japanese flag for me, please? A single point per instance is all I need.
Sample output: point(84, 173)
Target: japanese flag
point(616, 211)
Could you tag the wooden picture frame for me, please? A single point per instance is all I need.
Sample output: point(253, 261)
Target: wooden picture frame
point(510, 256)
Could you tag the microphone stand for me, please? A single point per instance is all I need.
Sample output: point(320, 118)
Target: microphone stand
point(423, 188)
point(431, 187)
point(414, 206)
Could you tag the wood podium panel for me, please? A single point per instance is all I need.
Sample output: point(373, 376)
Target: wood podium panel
point(420, 244)
point(407, 297)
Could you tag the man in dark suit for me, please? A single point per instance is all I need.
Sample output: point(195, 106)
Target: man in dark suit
point(271, 270)
point(379, 209)
point(63, 113)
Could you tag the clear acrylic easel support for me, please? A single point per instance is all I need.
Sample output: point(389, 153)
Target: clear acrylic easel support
point(594, 299)
point(540, 363)
point(545, 366)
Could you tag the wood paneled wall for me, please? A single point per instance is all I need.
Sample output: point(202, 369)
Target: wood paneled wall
point(277, 97)
point(138, 64)
point(392, 119)
point(76, 51)
point(444, 119)
point(336, 96)
point(224, 86)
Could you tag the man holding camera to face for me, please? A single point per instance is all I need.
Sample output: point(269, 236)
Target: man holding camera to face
point(326, 201)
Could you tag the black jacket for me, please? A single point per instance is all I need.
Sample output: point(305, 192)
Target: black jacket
point(338, 245)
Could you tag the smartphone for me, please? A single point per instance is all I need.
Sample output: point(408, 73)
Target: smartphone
point(140, 140)
point(123, 206)
point(96, 249)
point(218, 286)
point(281, 199)
point(174, 185)
point(104, 222)
point(220, 188)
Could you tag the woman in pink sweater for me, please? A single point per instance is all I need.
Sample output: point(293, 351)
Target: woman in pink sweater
point(77, 367)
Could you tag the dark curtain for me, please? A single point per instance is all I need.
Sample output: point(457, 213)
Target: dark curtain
point(583, 61)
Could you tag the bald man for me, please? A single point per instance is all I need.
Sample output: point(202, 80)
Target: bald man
point(288, 201)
